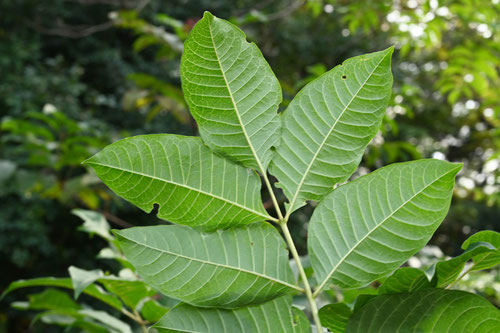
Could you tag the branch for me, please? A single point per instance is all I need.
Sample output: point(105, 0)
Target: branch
point(286, 11)
point(79, 31)
point(70, 31)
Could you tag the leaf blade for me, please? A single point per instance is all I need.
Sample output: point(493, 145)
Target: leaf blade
point(489, 259)
point(355, 239)
point(274, 316)
point(91, 290)
point(431, 310)
point(188, 265)
point(335, 317)
point(192, 185)
point(447, 271)
point(343, 112)
point(405, 279)
point(231, 92)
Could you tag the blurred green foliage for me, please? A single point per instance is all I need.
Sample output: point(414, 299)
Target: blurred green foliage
point(79, 74)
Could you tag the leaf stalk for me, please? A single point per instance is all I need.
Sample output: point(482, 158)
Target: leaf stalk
point(295, 254)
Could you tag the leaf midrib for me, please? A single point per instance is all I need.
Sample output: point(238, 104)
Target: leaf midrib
point(341, 261)
point(320, 147)
point(215, 264)
point(247, 138)
point(267, 217)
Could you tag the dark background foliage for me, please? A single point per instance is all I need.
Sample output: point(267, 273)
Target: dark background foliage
point(79, 74)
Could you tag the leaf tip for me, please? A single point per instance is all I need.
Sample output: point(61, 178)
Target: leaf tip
point(456, 167)
point(117, 233)
point(207, 15)
point(89, 161)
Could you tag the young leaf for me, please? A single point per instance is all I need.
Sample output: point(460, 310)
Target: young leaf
point(404, 280)
point(130, 292)
point(447, 271)
point(227, 269)
point(367, 228)
point(328, 125)
point(94, 223)
point(274, 316)
point(192, 185)
point(431, 310)
point(113, 324)
point(91, 290)
point(71, 319)
point(231, 92)
point(335, 317)
point(51, 299)
point(152, 311)
point(488, 259)
point(81, 278)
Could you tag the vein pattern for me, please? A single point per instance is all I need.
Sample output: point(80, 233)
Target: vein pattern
point(328, 125)
point(192, 185)
point(231, 92)
point(277, 316)
point(431, 310)
point(367, 228)
point(228, 268)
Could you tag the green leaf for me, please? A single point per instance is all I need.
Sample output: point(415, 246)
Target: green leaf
point(51, 299)
point(130, 292)
point(490, 258)
point(432, 310)
point(192, 185)
point(228, 268)
point(335, 317)
point(231, 92)
point(152, 311)
point(71, 319)
point(404, 280)
point(114, 324)
point(76, 318)
point(94, 223)
point(81, 278)
point(275, 316)
point(91, 290)
point(367, 228)
point(447, 271)
point(328, 125)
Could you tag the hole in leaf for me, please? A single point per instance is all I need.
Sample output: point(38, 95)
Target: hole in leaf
point(156, 207)
point(344, 77)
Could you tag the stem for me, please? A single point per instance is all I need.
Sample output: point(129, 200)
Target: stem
point(295, 254)
point(137, 318)
point(307, 287)
point(273, 197)
point(141, 322)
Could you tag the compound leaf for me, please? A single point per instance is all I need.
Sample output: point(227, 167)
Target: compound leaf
point(328, 125)
point(228, 268)
point(191, 184)
point(431, 310)
point(367, 228)
point(231, 92)
point(274, 316)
